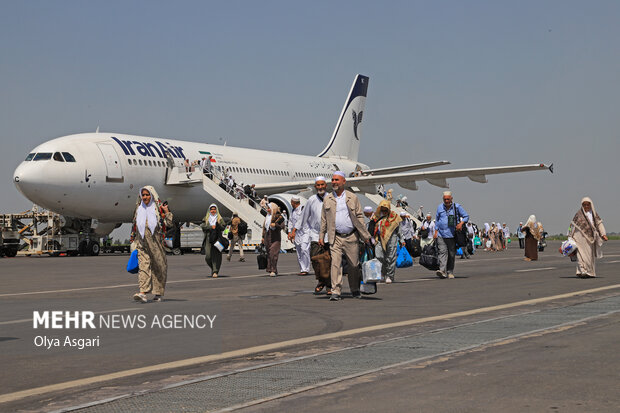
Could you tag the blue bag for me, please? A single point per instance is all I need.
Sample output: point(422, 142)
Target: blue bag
point(459, 252)
point(403, 259)
point(132, 264)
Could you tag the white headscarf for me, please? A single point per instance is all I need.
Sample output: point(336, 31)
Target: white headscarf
point(531, 222)
point(147, 212)
point(272, 206)
point(213, 217)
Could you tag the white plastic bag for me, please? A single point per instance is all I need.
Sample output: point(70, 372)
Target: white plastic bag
point(368, 288)
point(569, 247)
point(371, 271)
point(219, 246)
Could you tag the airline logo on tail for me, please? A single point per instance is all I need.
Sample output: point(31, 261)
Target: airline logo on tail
point(357, 119)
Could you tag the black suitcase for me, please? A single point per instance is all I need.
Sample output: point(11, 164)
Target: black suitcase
point(430, 257)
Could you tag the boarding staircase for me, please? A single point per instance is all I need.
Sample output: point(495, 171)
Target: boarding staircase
point(243, 207)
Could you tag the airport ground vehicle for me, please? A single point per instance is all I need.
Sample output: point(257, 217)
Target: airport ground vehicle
point(37, 232)
point(9, 242)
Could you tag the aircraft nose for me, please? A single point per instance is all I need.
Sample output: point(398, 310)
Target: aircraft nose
point(23, 178)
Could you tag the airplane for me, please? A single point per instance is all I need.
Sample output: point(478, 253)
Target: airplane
point(93, 179)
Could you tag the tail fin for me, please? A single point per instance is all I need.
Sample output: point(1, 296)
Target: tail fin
point(345, 142)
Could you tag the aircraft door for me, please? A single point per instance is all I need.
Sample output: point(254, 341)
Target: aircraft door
point(112, 163)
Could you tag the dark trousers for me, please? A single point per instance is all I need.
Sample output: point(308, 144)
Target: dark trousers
point(521, 243)
point(273, 252)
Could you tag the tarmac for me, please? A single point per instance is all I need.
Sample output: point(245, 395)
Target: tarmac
point(504, 334)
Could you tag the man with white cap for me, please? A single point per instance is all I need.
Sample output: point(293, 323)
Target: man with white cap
point(369, 213)
point(301, 240)
point(450, 218)
point(342, 221)
point(310, 224)
point(427, 229)
point(407, 232)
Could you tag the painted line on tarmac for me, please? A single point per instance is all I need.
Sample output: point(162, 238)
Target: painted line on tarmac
point(612, 262)
point(36, 391)
point(106, 287)
point(27, 320)
point(536, 269)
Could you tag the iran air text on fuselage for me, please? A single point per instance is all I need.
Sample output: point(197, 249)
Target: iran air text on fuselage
point(153, 150)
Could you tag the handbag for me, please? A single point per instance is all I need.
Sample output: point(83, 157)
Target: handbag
point(132, 264)
point(321, 263)
point(423, 233)
point(261, 259)
point(403, 259)
point(221, 244)
point(461, 236)
point(430, 256)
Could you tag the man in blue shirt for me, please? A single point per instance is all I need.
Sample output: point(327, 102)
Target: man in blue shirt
point(450, 218)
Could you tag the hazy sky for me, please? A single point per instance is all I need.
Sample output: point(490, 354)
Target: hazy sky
point(477, 83)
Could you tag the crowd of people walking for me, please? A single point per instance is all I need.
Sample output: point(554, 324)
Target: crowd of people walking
point(332, 232)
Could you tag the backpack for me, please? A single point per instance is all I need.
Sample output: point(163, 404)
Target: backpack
point(242, 229)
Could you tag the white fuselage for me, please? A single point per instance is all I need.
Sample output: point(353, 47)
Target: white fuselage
point(108, 170)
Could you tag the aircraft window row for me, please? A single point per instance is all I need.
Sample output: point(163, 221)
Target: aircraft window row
point(45, 156)
point(139, 162)
point(257, 171)
point(307, 174)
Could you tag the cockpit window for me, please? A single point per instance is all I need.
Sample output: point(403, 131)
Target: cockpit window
point(30, 156)
point(43, 156)
point(58, 157)
point(68, 157)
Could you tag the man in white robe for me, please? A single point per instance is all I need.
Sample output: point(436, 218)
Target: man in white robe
point(299, 238)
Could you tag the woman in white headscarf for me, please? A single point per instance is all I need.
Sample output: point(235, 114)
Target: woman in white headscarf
point(589, 233)
point(272, 237)
point(533, 232)
point(150, 221)
point(486, 237)
point(213, 225)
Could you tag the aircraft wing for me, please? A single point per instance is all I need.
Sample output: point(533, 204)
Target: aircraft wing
point(403, 168)
point(409, 180)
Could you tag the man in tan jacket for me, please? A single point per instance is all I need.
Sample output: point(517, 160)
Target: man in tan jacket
point(342, 219)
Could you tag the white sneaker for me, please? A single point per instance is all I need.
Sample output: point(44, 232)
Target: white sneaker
point(273, 274)
point(450, 275)
point(140, 297)
point(388, 280)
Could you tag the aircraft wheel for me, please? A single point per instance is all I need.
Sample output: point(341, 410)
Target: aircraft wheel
point(93, 248)
point(176, 251)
